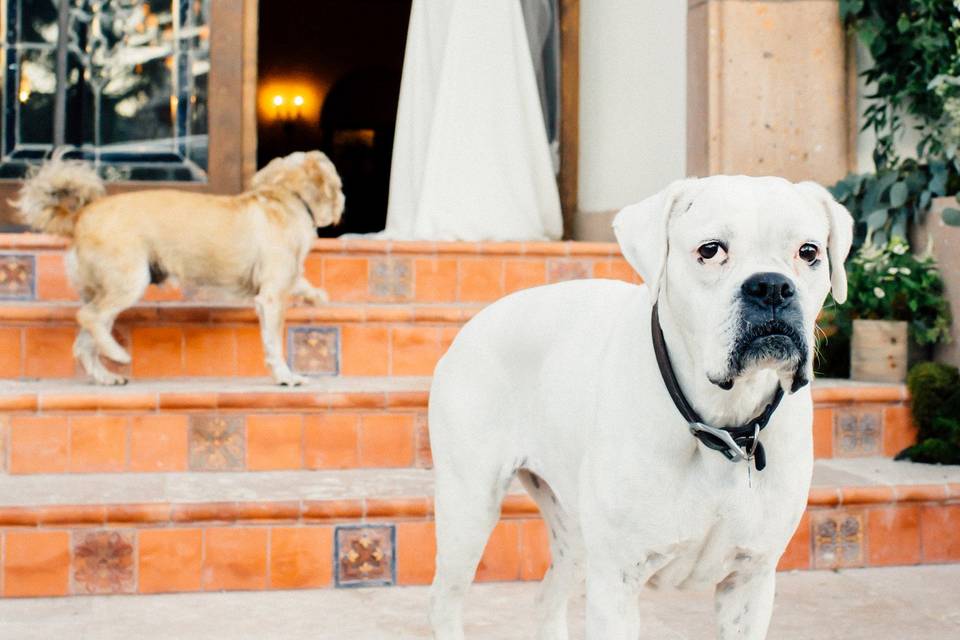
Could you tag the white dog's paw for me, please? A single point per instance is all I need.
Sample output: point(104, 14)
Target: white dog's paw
point(109, 378)
point(316, 297)
point(290, 379)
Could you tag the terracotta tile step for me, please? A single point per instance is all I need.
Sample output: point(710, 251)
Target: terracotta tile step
point(188, 341)
point(204, 425)
point(56, 427)
point(193, 532)
point(362, 270)
point(46, 314)
point(362, 246)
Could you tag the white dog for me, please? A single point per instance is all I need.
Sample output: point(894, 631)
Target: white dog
point(561, 386)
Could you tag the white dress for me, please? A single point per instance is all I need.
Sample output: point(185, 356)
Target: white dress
point(471, 160)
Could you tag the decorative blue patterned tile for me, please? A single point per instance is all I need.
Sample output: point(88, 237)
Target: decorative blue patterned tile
point(217, 443)
point(365, 555)
point(391, 278)
point(314, 350)
point(18, 276)
point(837, 539)
point(857, 432)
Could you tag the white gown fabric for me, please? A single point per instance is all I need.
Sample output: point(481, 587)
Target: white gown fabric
point(471, 160)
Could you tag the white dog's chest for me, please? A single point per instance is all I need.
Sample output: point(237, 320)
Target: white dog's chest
point(700, 561)
point(694, 528)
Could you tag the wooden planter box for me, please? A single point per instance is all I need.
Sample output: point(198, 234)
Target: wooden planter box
point(945, 243)
point(879, 351)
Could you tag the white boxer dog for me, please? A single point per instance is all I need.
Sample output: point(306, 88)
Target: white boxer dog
point(684, 469)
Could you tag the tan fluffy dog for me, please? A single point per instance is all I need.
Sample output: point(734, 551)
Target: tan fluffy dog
point(250, 245)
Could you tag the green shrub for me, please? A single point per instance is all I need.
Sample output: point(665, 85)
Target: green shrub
point(929, 384)
point(935, 404)
point(936, 450)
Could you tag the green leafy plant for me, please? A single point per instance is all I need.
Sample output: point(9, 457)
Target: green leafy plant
point(935, 404)
point(915, 77)
point(914, 45)
point(890, 283)
point(885, 203)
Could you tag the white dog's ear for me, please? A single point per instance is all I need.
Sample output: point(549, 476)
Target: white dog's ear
point(841, 237)
point(641, 230)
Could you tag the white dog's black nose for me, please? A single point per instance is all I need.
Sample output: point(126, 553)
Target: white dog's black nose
point(770, 290)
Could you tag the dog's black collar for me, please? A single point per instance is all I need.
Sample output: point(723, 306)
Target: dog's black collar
point(735, 443)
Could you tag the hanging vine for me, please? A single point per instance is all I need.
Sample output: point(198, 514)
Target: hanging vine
point(914, 81)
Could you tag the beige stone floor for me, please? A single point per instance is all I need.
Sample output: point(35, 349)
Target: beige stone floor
point(902, 603)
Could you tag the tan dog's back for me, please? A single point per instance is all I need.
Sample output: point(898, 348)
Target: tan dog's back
point(197, 239)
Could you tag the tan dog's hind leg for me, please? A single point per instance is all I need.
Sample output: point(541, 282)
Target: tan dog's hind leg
point(311, 295)
point(85, 350)
point(269, 305)
point(99, 324)
point(116, 287)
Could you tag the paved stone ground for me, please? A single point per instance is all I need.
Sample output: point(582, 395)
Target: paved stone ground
point(868, 604)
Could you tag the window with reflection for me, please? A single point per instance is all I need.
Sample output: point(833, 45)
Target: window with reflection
point(120, 83)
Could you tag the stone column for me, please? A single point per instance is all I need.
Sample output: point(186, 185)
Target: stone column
point(768, 89)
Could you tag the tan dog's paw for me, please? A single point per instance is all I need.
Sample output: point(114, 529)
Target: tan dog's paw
point(109, 378)
point(290, 379)
point(315, 297)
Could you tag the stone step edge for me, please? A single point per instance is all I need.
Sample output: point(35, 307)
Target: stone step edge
point(109, 399)
point(206, 401)
point(26, 241)
point(364, 509)
point(60, 313)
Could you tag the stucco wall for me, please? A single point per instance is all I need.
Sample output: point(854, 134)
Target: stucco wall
point(632, 105)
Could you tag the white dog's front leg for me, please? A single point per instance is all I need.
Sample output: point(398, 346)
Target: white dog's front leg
point(744, 604)
point(613, 608)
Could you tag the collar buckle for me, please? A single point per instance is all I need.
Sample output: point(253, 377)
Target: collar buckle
point(734, 452)
point(754, 442)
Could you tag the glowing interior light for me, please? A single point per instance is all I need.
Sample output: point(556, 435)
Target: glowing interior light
point(24, 96)
point(277, 101)
point(298, 101)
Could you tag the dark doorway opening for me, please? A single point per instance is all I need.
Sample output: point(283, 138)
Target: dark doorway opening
point(329, 78)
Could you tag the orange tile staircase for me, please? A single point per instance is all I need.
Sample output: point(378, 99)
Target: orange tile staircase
point(200, 475)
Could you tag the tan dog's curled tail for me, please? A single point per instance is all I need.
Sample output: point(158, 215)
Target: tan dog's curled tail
point(53, 195)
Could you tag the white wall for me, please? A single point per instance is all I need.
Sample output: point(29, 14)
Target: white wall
point(632, 100)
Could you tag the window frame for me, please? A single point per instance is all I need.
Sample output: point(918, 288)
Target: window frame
point(567, 180)
point(232, 123)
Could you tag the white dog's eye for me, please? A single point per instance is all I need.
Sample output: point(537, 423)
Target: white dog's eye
point(710, 251)
point(809, 253)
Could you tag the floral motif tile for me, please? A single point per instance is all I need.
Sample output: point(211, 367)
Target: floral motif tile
point(314, 350)
point(365, 555)
point(560, 270)
point(217, 443)
point(17, 277)
point(857, 432)
point(837, 539)
point(391, 278)
point(103, 562)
